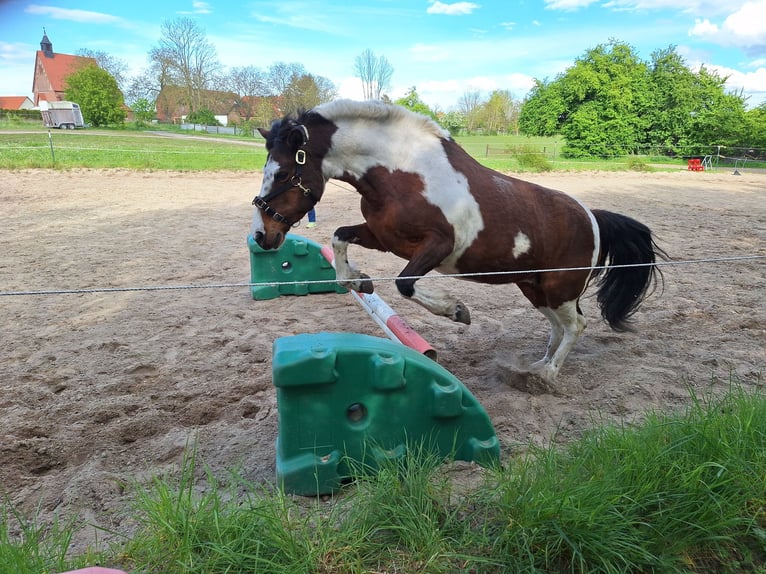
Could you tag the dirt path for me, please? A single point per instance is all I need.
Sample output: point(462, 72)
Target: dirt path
point(102, 387)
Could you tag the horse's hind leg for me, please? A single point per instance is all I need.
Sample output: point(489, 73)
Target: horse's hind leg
point(557, 333)
point(564, 315)
point(567, 324)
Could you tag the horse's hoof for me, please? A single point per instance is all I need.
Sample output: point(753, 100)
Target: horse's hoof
point(366, 285)
point(462, 314)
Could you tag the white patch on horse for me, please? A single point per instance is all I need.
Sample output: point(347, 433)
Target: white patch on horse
point(399, 142)
point(270, 171)
point(596, 239)
point(521, 245)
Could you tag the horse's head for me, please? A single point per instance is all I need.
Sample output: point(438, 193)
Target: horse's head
point(292, 182)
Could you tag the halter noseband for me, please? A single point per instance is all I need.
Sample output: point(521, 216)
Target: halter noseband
point(262, 203)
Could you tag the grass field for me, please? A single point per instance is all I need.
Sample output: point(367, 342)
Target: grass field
point(31, 146)
point(27, 144)
point(128, 149)
point(681, 493)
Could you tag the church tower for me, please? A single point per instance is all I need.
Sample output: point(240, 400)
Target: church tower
point(46, 46)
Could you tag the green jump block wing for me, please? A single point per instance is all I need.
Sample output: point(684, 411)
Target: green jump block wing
point(349, 401)
point(297, 263)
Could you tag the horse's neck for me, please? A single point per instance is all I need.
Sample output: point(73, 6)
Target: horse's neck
point(358, 146)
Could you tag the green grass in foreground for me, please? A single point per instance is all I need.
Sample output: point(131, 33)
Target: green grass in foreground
point(679, 493)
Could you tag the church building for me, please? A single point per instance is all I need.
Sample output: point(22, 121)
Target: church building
point(51, 69)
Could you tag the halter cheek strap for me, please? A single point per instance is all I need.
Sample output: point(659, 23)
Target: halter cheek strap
point(262, 203)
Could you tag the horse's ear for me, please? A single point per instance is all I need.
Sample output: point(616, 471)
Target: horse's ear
point(298, 136)
point(264, 132)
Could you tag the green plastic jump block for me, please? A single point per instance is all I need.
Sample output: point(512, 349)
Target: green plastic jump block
point(349, 401)
point(294, 265)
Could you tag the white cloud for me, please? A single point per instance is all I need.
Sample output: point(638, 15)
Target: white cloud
point(520, 84)
point(350, 87)
point(454, 9)
point(567, 5)
point(751, 82)
point(709, 8)
point(197, 8)
point(748, 23)
point(703, 28)
point(15, 52)
point(84, 16)
point(743, 28)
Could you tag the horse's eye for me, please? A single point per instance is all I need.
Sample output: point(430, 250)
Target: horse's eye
point(281, 175)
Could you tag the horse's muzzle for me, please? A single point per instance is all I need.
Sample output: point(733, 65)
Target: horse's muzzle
point(266, 243)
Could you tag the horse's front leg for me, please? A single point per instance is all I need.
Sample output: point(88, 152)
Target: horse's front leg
point(427, 257)
point(346, 273)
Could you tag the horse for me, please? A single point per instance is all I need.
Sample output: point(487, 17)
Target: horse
point(426, 200)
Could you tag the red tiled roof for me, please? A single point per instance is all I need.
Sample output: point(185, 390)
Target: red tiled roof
point(60, 66)
point(13, 102)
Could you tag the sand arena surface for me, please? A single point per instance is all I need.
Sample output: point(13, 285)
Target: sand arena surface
point(98, 388)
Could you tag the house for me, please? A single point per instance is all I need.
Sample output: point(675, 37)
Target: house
point(173, 104)
point(51, 70)
point(16, 103)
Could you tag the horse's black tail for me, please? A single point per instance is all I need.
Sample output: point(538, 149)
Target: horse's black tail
point(629, 252)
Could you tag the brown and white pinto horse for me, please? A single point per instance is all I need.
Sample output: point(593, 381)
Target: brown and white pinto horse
point(426, 200)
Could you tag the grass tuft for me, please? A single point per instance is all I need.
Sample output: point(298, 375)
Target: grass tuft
point(28, 546)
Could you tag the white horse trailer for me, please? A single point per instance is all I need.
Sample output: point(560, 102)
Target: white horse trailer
point(62, 115)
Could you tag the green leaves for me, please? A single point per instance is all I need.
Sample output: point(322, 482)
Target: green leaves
point(100, 99)
point(610, 102)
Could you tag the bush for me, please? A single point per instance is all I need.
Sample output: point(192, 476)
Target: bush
point(203, 117)
point(638, 164)
point(531, 159)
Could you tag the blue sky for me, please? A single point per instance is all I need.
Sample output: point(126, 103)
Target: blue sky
point(443, 48)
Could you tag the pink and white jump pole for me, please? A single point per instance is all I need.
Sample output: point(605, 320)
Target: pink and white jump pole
point(391, 323)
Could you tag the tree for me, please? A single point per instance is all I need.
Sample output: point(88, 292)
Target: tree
point(756, 127)
point(188, 57)
point(150, 82)
point(720, 117)
point(500, 113)
point(411, 100)
point(454, 121)
point(610, 103)
point(470, 105)
point(248, 83)
point(203, 117)
point(673, 103)
point(143, 110)
point(281, 75)
point(606, 95)
point(115, 66)
point(98, 95)
point(307, 91)
point(375, 73)
point(543, 112)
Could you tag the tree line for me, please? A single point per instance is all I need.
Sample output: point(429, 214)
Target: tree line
point(611, 102)
point(608, 103)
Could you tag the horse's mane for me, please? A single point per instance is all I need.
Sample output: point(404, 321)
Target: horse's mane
point(377, 111)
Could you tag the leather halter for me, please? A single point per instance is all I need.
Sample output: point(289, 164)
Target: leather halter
point(294, 181)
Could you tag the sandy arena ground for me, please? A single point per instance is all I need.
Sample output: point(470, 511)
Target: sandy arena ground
point(98, 388)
